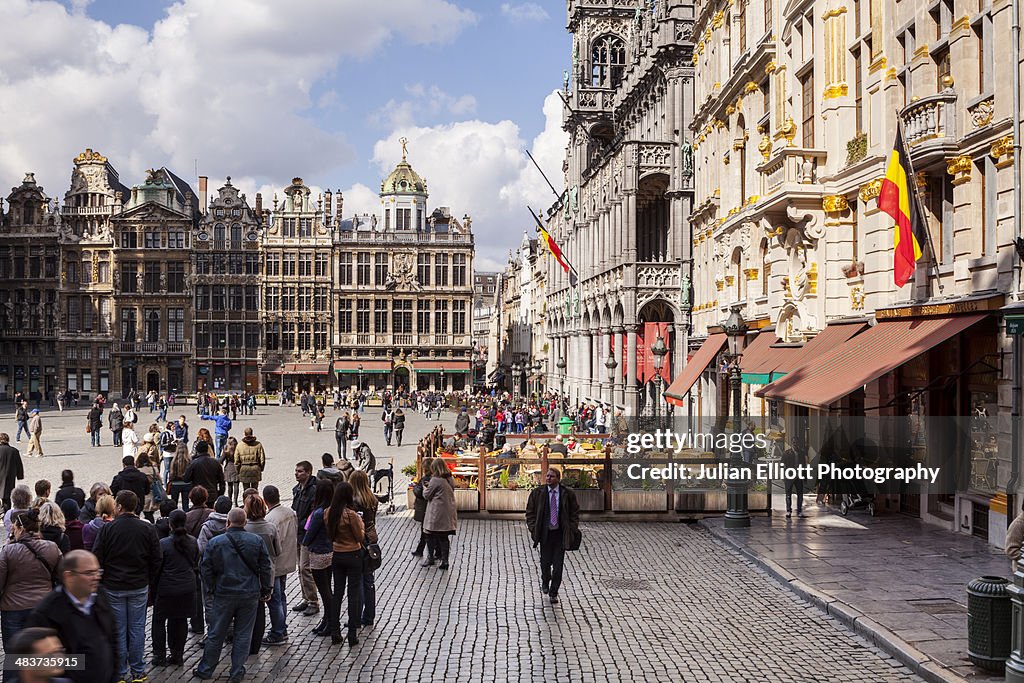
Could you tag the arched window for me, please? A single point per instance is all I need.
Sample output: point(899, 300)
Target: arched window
point(766, 267)
point(236, 235)
point(608, 61)
point(219, 235)
point(737, 263)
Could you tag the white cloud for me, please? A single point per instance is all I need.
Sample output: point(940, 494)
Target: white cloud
point(480, 168)
point(226, 83)
point(430, 101)
point(524, 11)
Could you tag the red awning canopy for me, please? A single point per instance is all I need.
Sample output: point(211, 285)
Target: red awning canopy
point(759, 357)
point(428, 365)
point(779, 358)
point(863, 359)
point(685, 379)
point(374, 366)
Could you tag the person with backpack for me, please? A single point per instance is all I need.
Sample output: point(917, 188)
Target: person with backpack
point(28, 572)
point(398, 425)
point(388, 418)
point(167, 445)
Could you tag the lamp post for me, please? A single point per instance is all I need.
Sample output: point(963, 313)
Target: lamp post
point(515, 379)
point(537, 367)
point(611, 365)
point(360, 369)
point(659, 350)
point(442, 380)
point(737, 514)
point(561, 364)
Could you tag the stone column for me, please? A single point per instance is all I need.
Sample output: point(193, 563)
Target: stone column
point(632, 394)
point(618, 397)
point(630, 227)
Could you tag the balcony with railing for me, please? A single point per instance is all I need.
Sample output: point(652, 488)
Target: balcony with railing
point(930, 126)
point(154, 348)
point(86, 210)
point(395, 237)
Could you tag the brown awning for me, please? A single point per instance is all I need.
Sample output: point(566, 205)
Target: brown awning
point(862, 359)
point(759, 357)
point(306, 369)
point(783, 358)
point(685, 379)
point(429, 365)
point(367, 366)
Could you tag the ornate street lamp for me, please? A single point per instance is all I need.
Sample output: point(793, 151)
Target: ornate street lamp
point(360, 369)
point(561, 364)
point(659, 350)
point(515, 379)
point(610, 364)
point(442, 380)
point(737, 514)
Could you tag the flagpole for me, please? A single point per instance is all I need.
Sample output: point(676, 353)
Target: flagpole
point(920, 208)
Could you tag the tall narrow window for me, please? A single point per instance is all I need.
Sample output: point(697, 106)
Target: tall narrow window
point(988, 205)
point(741, 28)
point(441, 317)
point(441, 270)
point(423, 316)
point(380, 316)
point(128, 325)
point(380, 268)
point(345, 268)
point(345, 316)
point(152, 325)
point(768, 15)
point(943, 70)
point(175, 324)
point(807, 103)
point(362, 316)
point(363, 267)
point(423, 269)
point(858, 90)
point(609, 62)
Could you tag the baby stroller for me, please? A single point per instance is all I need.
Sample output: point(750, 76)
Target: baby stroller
point(388, 495)
point(856, 498)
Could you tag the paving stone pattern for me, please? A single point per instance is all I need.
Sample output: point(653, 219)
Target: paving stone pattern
point(641, 601)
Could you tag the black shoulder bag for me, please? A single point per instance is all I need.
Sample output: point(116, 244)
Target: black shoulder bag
point(52, 571)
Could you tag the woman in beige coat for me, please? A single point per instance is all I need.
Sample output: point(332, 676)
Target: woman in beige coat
point(440, 519)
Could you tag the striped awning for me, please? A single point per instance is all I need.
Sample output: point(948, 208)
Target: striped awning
point(676, 393)
point(863, 359)
point(780, 358)
point(758, 359)
point(430, 366)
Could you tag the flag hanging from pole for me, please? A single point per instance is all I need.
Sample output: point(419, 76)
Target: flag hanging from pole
point(555, 251)
point(895, 199)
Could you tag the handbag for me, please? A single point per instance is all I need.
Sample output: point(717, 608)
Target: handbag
point(575, 542)
point(372, 557)
point(159, 496)
point(88, 428)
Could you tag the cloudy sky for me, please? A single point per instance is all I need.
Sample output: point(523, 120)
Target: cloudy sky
point(263, 91)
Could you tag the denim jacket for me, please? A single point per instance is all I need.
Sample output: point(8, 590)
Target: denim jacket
point(226, 574)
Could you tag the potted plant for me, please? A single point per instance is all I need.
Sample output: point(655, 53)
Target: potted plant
point(757, 496)
point(510, 493)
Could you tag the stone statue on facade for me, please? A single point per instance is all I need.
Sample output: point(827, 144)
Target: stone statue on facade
point(686, 159)
point(139, 281)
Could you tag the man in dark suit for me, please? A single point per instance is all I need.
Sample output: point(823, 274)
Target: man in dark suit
point(11, 469)
point(553, 517)
point(82, 617)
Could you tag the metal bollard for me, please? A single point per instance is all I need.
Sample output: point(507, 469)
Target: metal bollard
point(989, 622)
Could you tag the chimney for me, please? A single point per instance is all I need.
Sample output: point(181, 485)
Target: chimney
point(202, 193)
point(328, 206)
point(259, 203)
point(339, 200)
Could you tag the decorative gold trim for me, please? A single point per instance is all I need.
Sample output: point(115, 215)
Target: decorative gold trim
point(834, 13)
point(877, 65)
point(890, 74)
point(750, 273)
point(770, 68)
point(857, 298)
point(730, 280)
point(765, 147)
point(963, 22)
point(707, 35)
point(718, 19)
point(870, 190)
point(834, 203)
point(835, 90)
point(1002, 151)
point(751, 87)
point(787, 130)
point(812, 279)
point(960, 168)
point(730, 110)
point(921, 52)
point(700, 47)
point(89, 156)
point(720, 285)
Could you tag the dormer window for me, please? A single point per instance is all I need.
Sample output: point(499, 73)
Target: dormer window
point(608, 62)
point(219, 213)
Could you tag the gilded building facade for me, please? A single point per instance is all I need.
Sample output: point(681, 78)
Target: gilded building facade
point(797, 106)
point(622, 220)
point(29, 262)
point(227, 270)
point(152, 280)
point(404, 292)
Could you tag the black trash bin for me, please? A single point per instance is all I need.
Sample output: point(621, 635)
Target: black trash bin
point(989, 622)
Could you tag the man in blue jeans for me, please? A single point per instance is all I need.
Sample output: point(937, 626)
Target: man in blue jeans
point(284, 520)
point(236, 569)
point(128, 551)
point(220, 431)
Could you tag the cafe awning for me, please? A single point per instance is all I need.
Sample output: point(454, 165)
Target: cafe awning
point(306, 368)
point(372, 367)
point(429, 366)
point(680, 386)
point(758, 360)
point(780, 358)
point(863, 359)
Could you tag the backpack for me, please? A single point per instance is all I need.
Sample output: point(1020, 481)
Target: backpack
point(167, 442)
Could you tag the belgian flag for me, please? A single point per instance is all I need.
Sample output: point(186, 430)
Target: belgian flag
point(555, 250)
point(897, 200)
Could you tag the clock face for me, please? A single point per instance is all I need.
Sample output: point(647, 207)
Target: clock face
point(203, 236)
point(229, 201)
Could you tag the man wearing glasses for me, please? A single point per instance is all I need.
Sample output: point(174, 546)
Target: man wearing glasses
point(80, 613)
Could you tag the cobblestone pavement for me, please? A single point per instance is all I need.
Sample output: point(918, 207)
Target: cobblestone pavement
point(641, 601)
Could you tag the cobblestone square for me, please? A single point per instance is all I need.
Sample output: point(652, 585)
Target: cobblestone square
point(641, 601)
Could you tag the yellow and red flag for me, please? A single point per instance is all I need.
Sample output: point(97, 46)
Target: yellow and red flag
point(897, 200)
point(549, 242)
